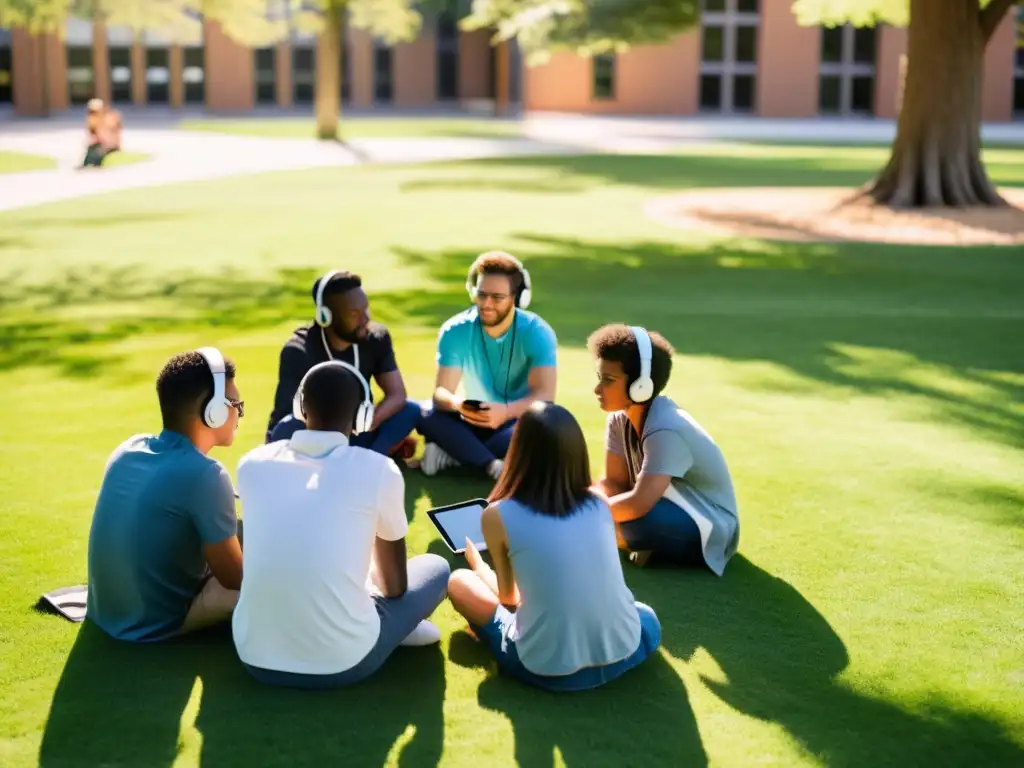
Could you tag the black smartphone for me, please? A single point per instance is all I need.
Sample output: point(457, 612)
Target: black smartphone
point(473, 405)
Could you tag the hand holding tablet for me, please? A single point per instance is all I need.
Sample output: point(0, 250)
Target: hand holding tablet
point(458, 522)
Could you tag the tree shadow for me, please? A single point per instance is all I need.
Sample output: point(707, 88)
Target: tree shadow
point(866, 318)
point(646, 711)
point(782, 661)
point(119, 704)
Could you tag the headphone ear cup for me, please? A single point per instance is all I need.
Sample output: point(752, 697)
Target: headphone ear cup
point(216, 414)
point(524, 298)
point(640, 391)
point(364, 417)
point(323, 316)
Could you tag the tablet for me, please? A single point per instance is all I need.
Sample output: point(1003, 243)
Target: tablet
point(456, 522)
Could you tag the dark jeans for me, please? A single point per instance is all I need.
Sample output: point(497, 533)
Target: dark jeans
point(467, 444)
point(668, 532)
point(381, 440)
point(427, 587)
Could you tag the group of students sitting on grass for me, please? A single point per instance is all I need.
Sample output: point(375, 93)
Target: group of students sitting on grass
point(328, 593)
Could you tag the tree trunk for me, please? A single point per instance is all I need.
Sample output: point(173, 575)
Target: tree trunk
point(328, 74)
point(936, 157)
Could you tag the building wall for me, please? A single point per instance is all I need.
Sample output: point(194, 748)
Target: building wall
point(647, 80)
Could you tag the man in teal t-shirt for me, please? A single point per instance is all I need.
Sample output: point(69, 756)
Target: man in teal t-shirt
point(164, 554)
point(505, 357)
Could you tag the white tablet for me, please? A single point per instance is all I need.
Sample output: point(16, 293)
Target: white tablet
point(457, 522)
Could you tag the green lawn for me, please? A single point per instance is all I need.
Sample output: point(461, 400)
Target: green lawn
point(362, 127)
point(17, 162)
point(869, 399)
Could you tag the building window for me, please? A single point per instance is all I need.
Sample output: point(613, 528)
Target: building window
point(846, 85)
point(603, 77)
point(383, 73)
point(158, 75)
point(1018, 66)
point(120, 74)
point(448, 53)
point(193, 74)
point(346, 62)
point(6, 59)
point(265, 71)
point(728, 66)
point(81, 80)
point(303, 74)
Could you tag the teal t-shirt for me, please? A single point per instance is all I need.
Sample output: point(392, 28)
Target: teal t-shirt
point(496, 370)
point(160, 503)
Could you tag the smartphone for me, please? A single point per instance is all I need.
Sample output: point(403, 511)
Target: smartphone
point(473, 405)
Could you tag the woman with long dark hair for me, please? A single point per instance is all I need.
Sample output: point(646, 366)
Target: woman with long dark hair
point(555, 610)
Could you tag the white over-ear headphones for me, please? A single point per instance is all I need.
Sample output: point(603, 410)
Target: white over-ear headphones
point(523, 295)
point(323, 315)
point(642, 388)
point(216, 409)
point(364, 413)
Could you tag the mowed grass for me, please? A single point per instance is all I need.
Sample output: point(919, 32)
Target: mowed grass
point(363, 127)
point(869, 399)
point(17, 162)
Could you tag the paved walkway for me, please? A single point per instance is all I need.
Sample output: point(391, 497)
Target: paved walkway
point(179, 156)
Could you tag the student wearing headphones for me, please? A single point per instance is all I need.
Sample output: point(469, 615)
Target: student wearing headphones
point(328, 594)
point(505, 357)
point(666, 480)
point(164, 555)
point(342, 330)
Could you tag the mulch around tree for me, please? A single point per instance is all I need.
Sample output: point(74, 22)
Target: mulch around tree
point(836, 214)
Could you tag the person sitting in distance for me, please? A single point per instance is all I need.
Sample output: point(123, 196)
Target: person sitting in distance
point(164, 554)
point(506, 358)
point(666, 480)
point(342, 330)
point(328, 595)
point(555, 610)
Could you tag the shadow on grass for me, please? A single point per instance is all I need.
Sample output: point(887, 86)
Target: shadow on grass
point(943, 325)
point(781, 662)
point(123, 705)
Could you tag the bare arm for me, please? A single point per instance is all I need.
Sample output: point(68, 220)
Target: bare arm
point(445, 384)
point(393, 387)
point(637, 502)
point(391, 574)
point(543, 381)
point(616, 475)
point(225, 560)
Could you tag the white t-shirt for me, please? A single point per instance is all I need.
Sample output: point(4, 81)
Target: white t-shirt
point(311, 507)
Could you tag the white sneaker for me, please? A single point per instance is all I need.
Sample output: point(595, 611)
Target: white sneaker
point(435, 459)
point(426, 633)
point(494, 468)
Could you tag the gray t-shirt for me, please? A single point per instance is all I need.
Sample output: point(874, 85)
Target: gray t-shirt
point(674, 444)
point(160, 503)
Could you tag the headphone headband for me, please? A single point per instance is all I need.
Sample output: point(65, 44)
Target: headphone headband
point(215, 410)
point(642, 389)
point(525, 292)
point(364, 413)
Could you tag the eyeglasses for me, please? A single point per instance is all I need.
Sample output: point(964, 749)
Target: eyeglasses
point(238, 405)
point(497, 298)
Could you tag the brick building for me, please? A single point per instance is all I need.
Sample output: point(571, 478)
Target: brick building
point(747, 57)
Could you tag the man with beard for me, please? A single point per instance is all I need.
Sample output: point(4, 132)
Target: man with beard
point(505, 357)
point(342, 330)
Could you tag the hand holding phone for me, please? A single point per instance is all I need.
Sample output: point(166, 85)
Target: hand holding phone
point(474, 405)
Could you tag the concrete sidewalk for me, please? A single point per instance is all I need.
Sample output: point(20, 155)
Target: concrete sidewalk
point(180, 156)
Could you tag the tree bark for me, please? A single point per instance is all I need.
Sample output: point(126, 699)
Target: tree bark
point(936, 157)
point(327, 96)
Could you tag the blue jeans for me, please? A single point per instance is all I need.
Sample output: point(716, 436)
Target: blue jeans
point(504, 650)
point(381, 440)
point(428, 586)
point(668, 532)
point(467, 444)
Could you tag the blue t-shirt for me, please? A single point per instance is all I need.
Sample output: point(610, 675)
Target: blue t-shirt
point(496, 370)
point(160, 503)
